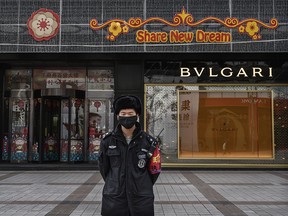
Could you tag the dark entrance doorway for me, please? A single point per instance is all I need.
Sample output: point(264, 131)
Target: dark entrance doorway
point(51, 128)
point(58, 128)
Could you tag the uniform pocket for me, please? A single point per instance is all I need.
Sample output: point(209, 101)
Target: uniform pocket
point(111, 186)
point(114, 157)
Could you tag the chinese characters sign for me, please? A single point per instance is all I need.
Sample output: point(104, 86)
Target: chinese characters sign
point(66, 78)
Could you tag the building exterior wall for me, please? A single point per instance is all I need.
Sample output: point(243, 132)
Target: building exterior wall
point(158, 82)
point(75, 34)
point(145, 43)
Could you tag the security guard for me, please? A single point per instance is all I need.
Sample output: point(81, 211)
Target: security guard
point(124, 164)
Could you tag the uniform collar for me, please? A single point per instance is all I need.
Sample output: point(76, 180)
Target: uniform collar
point(119, 133)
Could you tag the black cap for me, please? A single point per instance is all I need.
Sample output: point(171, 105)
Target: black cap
point(127, 102)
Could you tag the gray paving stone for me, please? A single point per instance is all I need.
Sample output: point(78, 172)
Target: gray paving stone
point(180, 193)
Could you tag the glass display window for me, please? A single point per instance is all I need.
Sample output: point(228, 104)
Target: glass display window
point(19, 129)
point(100, 79)
point(225, 124)
point(100, 93)
point(100, 119)
point(161, 112)
point(18, 79)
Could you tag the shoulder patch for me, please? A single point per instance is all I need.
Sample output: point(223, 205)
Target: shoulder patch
point(150, 139)
point(104, 136)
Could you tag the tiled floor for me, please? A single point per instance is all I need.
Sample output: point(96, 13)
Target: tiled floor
point(177, 193)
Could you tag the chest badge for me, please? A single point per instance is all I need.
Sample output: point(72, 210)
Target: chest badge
point(141, 163)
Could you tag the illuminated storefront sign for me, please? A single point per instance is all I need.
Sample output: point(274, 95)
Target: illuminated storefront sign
point(251, 27)
point(175, 36)
point(227, 72)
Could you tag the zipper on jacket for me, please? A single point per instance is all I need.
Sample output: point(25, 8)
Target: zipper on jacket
point(126, 168)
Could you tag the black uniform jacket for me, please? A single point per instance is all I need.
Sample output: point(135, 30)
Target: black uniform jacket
point(128, 188)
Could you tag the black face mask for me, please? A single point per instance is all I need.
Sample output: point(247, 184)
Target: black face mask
point(127, 122)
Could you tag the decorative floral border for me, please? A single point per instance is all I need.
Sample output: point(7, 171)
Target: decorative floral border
point(118, 26)
point(43, 24)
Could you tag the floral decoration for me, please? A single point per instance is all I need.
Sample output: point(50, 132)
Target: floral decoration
point(43, 24)
point(241, 29)
point(115, 29)
point(118, 26)
point(251, 29)
point(125, 29)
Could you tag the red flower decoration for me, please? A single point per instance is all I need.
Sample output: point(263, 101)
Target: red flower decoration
point(43, 24)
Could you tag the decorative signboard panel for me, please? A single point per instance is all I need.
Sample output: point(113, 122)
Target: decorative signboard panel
point(143, 26)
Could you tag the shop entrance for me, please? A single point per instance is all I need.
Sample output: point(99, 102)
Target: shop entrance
point(50, 128)
point(58, 128)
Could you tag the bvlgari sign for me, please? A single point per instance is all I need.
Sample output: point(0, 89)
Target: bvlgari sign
point(116, 27)
point(253, 72)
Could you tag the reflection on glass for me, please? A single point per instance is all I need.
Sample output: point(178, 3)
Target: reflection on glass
point(77, 129)
point(73, 78)
point(76, 150)
point(161, 112)
point(100, 79)
point(100, 122)
point(51, 151)
point(18, 79)
point(36, 129)
point(225, 124)
point(64, 130)
point(268, 119)
point(20, 113)
point(51, 128)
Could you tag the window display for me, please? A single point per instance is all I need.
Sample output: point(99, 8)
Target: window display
point(100, 122)
point(100, 85)
point(20, 117)
point(225, 124)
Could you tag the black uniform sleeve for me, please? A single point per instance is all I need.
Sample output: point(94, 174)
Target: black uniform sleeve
point(104, 162)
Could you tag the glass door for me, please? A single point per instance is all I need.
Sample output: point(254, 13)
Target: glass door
point(72, 130)
point(100, 122)
point(51, 116)
point(58, 129)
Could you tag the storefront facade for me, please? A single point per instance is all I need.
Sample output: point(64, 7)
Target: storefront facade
point(213, 75)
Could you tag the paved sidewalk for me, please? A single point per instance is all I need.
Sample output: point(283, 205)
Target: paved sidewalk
point(177, 193)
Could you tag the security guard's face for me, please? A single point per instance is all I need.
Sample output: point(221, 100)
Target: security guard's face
point(127, 118)
point(127, 112)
